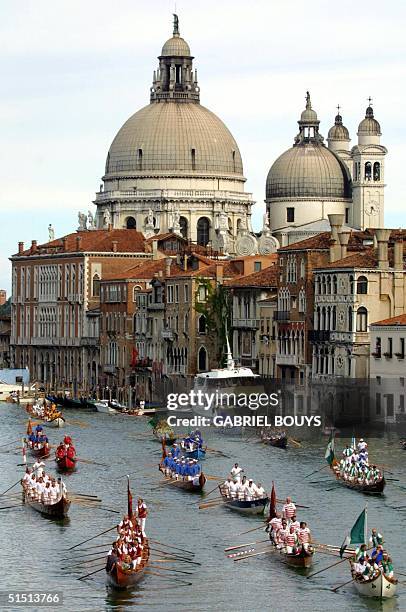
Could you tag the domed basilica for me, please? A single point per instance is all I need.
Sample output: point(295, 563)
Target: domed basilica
point(175, 167)
point(311, 180)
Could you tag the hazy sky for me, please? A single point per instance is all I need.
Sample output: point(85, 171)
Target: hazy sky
point(74, 71)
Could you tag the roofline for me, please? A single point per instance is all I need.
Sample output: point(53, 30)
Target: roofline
point(17, 257)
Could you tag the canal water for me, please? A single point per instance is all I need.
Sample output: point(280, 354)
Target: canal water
point(33, 548)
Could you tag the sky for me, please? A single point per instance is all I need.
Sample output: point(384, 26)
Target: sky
point(74, 71)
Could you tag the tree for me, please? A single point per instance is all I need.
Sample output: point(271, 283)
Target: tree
point(215, 307)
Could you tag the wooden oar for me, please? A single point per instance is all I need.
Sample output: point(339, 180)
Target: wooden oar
point(243, 545)
point(91, 462)
point(315, 472)
point(176, 557)
point(8, 443)
point(293, 441)
point(106, 550)
point(263, 552)
point(91, 573)
point(326, 568)
point(15, 506)
point(12, 487)
point(93, 537)
point(174, 547)
point(211, 477)
point(250, 530)
point(208, 506)
point(341, 585)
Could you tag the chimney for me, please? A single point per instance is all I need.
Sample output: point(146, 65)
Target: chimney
point(160, 274)
point(185, 262)
point(110, 227)
point(336, 222)
point(20, 248)
point(344, 238)
point(398, 252)
point(168, 263)
point(33, 246)
point(114, 246)
point(382, 236)
point(78, 242)
point(219, 273)
point(154, 249)
point(64, 244)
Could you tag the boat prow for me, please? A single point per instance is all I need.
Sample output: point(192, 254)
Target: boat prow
point(379, 586)
point(120, 578)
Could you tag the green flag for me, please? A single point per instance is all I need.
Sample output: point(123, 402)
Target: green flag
point(329, 456)
point(358, 533)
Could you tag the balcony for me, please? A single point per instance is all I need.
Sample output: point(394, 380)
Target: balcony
point(288, 360)
point(109, 368)
point(156, 306)
point(281, 315)
point(168, 334)
point(173, 370)
point(89, 341)
point(173, 194)
point(319, 335)
point(246, 323)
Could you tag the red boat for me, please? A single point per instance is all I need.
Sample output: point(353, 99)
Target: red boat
point(121, 578)
point(41, 451)
point(65, 456)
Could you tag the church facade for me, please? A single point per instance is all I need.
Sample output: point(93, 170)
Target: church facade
point(311, 180)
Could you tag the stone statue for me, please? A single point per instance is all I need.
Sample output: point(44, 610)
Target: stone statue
point(82, 221)
point(175, 24)
point(91, 220)
point(222, 221)
point(51, 233)
point(106, 219)
point(150, 218)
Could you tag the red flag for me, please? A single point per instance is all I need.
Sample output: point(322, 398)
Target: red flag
point(272, 506)
point(134, 357)
point(130, 500)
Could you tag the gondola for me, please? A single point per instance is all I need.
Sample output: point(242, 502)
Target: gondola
point(120, 578)
point(57, 510)
point(187, 485)
point(65, 464)
point(378, 586)
point(303, 559)
point(277, 441)
point(39, 453)
point(198, 453)
point(375, 488)
point(254, 506)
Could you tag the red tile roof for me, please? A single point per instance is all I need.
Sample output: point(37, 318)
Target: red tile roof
point(322, 240)
point(264, 278)
point(398, 320)
point(128, 241)
point(368, 258)
point(145, 270)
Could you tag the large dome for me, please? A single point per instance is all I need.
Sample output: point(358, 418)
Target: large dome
point(308, 170)
point(174, 137)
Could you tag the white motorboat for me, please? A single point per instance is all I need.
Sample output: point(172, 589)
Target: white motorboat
point(103, 406)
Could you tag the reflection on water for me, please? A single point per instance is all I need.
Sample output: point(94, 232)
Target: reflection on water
point(33, 547)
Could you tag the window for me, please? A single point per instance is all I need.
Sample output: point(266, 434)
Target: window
point(257, 266)
point(203, 231)
point(233, 161)
point(368, 171)
point(96, 286)
point(334, 285)
point(193, 159)
point(389, 405)
point(378, 403)
point(347, 215)
point(401, 354)
point(202, 359)
point(377, 171)
point(177, 294)
point(201, 294)
point(362, 319)
point(290, 214)
point(131, 223)
point(202, 324)
point(389, 350)
point(362, 285)
point(139, 159)
point(170, 294)
point(186, 293)
point(377, 352)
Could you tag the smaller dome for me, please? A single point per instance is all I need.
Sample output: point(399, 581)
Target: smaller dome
point(308, 116)
point(338, 131)
point(369, 125)
point(176, 47)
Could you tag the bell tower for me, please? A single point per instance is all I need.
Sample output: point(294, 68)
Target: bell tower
point(368, 158)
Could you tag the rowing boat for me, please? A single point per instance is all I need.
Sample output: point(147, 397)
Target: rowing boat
point(195, 486)
point(302, 559)
point(198, 453)
point(378, 586)
point(374, 488)
point(39, 453)
point(120, 578)
point(65, 464)
point(58, 510)
point(56, 422)
point(253, 506)
point(277, 441)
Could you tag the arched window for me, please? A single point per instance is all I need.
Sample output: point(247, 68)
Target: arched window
point(139, 159)
point(362, 319)
point(377, 171)
point(202, 359)
point(203, 231)
point(131, 223)
point(368, 171)
point(202, 324)
point(96, 285)
point(362, 285)
point(183, 226)
point(334, 285)
point(351, 285)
